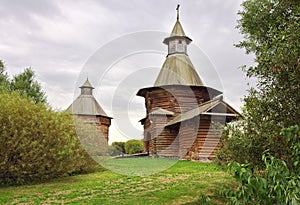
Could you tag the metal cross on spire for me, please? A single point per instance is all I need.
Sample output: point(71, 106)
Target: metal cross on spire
point(178, 5)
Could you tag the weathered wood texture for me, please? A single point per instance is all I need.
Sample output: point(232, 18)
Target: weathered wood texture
point(177, 98)
point(207, 141)
point(191, 139)
point(102, 123)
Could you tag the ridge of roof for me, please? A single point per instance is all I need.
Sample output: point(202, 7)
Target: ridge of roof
point(202, 109)
point(161, 111)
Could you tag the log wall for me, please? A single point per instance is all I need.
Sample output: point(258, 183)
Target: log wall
point(102, 123)
point(186, 140)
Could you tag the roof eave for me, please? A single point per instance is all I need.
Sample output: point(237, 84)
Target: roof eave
point(142, 92)
point(166, 40)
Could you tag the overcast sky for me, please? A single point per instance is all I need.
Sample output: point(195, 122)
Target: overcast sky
point(64, 42)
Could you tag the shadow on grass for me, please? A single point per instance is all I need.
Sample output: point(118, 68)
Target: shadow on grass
point(72, 177)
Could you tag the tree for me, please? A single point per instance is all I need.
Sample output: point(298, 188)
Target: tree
point(4, 82)
point(271, 30)
point(28, 86)
point(134, 146)
point(24, 83)
point(119, 147)
point(268, 136)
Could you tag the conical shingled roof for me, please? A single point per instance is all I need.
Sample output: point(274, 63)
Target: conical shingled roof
point(85, 103)
point(178, 68)
point(177, 30)
point(87, 84)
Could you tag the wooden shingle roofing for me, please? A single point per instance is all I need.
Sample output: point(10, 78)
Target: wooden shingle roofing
point(178, 70)
point(85, 103)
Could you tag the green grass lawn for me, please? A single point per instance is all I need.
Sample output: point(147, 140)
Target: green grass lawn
point(182, 183)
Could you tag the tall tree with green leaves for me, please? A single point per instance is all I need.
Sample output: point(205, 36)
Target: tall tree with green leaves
point(26, 84)
point(268, 135)
point(271, 30)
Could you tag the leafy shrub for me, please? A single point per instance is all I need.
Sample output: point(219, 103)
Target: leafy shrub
point(37, 143)
point(278, 184)
point(117, 148)
point(134, 146)
point(241, 147)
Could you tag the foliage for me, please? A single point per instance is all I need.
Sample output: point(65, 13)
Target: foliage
point(278, 184)
point(37, 143)
point(24, 83)
point(134, 146)
point(27, 86)
point(271, 30)
point(119, 148)
point(180, 184)
point(236, 146)
point(3, 76)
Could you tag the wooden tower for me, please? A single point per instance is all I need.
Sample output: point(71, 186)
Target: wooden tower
point(86, 107)
point(183, 116)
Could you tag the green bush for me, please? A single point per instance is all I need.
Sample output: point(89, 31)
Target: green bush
point(37, 143)
point(279, 183)
point(241, 147)
point(134, 146)
point(118, 148)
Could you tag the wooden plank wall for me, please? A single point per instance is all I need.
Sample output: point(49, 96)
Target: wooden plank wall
point(208, 138)
point(187, 136)
point(191, 140)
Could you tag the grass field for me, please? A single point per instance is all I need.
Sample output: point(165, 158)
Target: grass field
point(182, 183)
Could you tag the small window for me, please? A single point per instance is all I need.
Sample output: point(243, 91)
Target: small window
point(179, 42)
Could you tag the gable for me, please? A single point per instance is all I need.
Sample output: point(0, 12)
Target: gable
point(213, 107)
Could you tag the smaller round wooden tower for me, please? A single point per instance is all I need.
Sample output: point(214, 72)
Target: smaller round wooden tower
point(180, 110)
point(86, 107)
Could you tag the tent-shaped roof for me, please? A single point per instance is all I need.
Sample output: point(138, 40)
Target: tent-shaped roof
point(177, 30)
point(85, 103)
point(87, 84)
point(178, 70)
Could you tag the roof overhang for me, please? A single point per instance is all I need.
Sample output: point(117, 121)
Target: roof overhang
point(166, 40)
point(91, 115)
point(142, 92)
point(207, 108)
